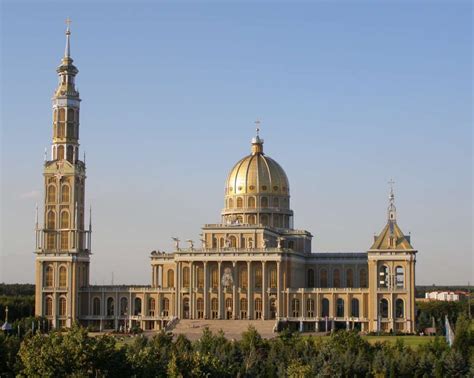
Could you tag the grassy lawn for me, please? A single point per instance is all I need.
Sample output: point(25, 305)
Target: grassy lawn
point(412, 341)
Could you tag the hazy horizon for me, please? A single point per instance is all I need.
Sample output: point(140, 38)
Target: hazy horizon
point(349, 96)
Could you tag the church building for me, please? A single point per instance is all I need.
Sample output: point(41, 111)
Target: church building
point(252, 265)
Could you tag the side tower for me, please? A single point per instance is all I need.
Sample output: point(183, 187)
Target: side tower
point(391, 261)
point(63, 244)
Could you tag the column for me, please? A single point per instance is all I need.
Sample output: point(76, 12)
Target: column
point(191, 289)
point(234, 290)
point(249, 291)
point(279, 296)
point(303, 305)
point(206, 292)
point(177, 293)
point(219, 289)
point(264, 290)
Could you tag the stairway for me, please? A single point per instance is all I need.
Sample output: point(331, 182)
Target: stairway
point(233, 329)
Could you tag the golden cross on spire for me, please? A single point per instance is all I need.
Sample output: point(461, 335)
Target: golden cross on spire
point(68, 23)
point(257, 124)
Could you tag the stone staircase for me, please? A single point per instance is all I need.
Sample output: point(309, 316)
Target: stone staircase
point(233, 329)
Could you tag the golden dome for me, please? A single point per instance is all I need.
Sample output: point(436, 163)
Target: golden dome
point(257, 191)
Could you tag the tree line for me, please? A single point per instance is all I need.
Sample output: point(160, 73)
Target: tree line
point(343, 354)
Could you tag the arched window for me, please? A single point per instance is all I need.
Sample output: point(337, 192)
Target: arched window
point(170, 278)
point(258, 277)
point(138, 306)
point(251, 202)
point(123, 306)
point(243, 308)
point(200, 308)
point(214, 308)
point(349, 278)
point(243, 278)
point(62, 306)
point(151, 306)
point(228, 307)
point(166, 306)
point(240, 219)
point(251, 219)
point(264, 202)
point(62, 114)
point(340, 308)
point(383, 308)
point(65, 193)
point(51, 193)
point(323, 278)
point(62, 276)
point(231, 203)
point(185, 276)
point(61, 151)
point(64, 219)
point(200, 277)
point(264, 219)
point(258, 308)
point(48, 310)
point(273, 278)
point(48, 277)
point(400, 277)
point(310, 308)
point(363, 277)
point(70, 115)
point(214, 278)
point(240, 202)
point(336, 278)
point(70, 151)
point(233, 241)
point(383, 276)
point(276, 202)
point(295, 307)
point(110, 306)
point(51, 220)
point(96, 306)
point(310, 278)
point(325, 307)
point(399, 308)
point(221, 243)
point(64, 224)
point(355, 307)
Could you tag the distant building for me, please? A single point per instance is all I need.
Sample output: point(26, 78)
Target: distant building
point(448, 296)
point(251, 265)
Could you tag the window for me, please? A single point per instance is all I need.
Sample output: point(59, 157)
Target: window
point(251, 202)
point(340, 308)
point(276, 202)
point(62, 276)
point(61, 151)
point(64, 240)
point(355, 308)
point(186, 277)
point(323, 278)
point(214, 278)
point(399, 308)
point(62, 114)
point(70, 115)
point(273, 308)
point(48, 279)
point(258, 277)
point(214, 308)
point(123, 306)
point(243, 308)
point(200, 308)
point(251, 219)
point(240, 202)
point(336, 278)
point(264, 219)
point(363, 278)
point(170, 278)
point(186, 308)
point(399, 277)
point(310, 308)
point(243, 278)
point(295, 308)
point(228, 308)
point(349, 278)
point(65, 193)
point(383, 308)
point(310, 278)
point(138, 306)
point(325, 307)
point(264, 202)
point(231, 203)
point(258, 308)
point(110, 306)
point(64, 219)
point(62, 306)
point(273, 278)
point(96, 306)
point(383, 276)
point(48, 310)
point(166, 306)
point(51, 193)
point(233, 241)
point(70, 149)
point(200, 277)
point(151, 306)
point(51, 220)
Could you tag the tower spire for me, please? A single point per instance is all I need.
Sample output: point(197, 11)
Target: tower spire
point(67, 51)
point(392, 210)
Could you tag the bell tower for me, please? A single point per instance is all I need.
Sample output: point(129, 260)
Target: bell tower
point(63, 245)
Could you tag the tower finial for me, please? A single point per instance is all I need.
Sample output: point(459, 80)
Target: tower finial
point(67, 51)
point(392, 210)
point(257, 142)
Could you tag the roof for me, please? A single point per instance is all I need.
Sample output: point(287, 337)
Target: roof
point(392, 238)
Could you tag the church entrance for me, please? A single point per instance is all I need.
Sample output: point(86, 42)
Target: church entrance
point(228, 306)
point(273, 308)
point(186, 308)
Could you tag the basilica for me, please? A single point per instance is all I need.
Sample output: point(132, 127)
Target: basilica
point(252, 265)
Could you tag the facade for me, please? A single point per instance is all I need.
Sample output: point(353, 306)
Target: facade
point(251, 265)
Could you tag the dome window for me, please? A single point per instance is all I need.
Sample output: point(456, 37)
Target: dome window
point(264, 187)
point(239, 188)
point(275, 188)
point(251, 187)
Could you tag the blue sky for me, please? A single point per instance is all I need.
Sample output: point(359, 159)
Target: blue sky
point(350, 94)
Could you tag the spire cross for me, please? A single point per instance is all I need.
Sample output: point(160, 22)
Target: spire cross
point(257, 124)
point(68, 23)
point(391, 183)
